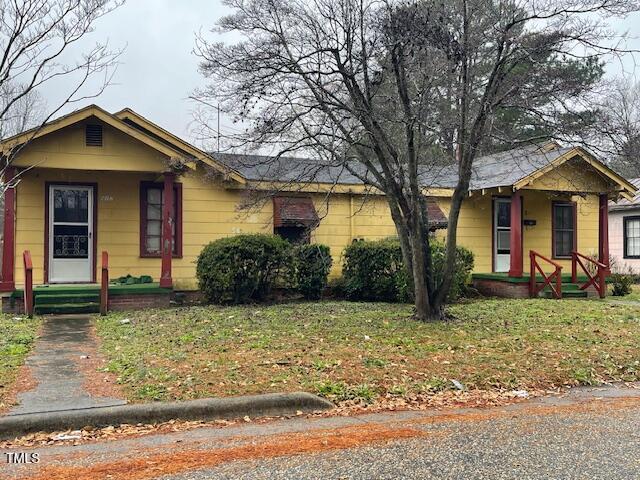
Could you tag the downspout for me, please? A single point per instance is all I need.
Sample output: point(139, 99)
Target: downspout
point(351, 223)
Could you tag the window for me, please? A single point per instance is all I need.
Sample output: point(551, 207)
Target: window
point(296, 235)
point(151, 202)
point(93, 135)
point(564, 229)
point(631, 237)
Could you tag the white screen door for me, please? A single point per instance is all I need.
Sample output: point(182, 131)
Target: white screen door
point(502, 234)
point(70, 233)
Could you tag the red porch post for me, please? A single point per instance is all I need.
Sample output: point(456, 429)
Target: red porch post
point(8, 283)
point(167, 237)
point(603, 224)
point(515, 243)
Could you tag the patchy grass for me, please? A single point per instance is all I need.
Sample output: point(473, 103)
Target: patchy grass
point(362, 351)
point(17, 335)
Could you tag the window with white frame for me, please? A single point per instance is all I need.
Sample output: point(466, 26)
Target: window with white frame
point(632, 237)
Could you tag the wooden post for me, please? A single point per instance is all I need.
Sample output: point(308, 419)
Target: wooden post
point(28, 283)
point(574, 267)
point(104, 284)
point(532, 278)
point(559, 282)
point(167, 235)
point(603, 237)
point(8, 283)
point(515, 244)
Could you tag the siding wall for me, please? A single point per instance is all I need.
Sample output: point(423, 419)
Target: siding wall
point(209, 212)
point(616, 241)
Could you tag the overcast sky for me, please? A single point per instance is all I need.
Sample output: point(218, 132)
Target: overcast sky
point(159, 70)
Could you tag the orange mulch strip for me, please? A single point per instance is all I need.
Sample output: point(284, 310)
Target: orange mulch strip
point(24, 382)
point(97, 383)
point(589, 406)
point(275, 446)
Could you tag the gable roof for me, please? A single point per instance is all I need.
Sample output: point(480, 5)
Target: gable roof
point(151, 129)
point(79, 115)
point(164, 142)
point(513, 169)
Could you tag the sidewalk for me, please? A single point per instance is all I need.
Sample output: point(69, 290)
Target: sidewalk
point(65, 342)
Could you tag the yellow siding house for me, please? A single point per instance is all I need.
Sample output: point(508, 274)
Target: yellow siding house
point(93, 182)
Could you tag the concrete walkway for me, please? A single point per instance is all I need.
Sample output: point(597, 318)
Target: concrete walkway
point(54, 367)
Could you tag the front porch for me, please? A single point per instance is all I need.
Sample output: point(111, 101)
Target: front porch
point(87, 298)
point(502, 285)
point(520, 234)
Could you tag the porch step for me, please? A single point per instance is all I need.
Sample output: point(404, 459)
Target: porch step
point(58, 308)
point(65, 298)
point(569, 290)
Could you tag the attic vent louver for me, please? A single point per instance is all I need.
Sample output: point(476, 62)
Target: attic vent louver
point(93, 135)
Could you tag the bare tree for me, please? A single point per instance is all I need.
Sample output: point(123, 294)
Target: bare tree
point(390, 91)
point(620, 119)
point(37, 37)
point(28, 112)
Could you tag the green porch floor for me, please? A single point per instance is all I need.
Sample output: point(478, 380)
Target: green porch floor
point(504, 277)
point(92, 288)
point(81, 298)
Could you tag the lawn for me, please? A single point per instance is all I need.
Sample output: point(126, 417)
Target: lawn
point(17, 335)
point(365, 351)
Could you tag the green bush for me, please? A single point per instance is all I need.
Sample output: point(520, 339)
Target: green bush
point(242, 268)
point(620, 284)
point(311, 266)
point(375, 271)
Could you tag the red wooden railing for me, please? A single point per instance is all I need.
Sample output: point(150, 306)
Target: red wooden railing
point(598, 280)
point(556, 276)
point(104, 284)
point(28, 283)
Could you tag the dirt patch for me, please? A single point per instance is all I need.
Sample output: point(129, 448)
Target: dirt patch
point(24, 383)
point(97, 382)
point(155, 465)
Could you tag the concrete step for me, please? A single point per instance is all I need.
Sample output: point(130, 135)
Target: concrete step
point(65, 298)
point(64, 308)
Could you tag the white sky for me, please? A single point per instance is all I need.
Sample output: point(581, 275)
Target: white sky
point(159, 70)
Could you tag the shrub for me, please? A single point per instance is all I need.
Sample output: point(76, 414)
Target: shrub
point(462, 270)
point(242, 268)
point(375, 271)
point(620, 284)
point(311, 266)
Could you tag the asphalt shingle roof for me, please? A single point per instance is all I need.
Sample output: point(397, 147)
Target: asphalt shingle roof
point(497, 170)
point(623, 203)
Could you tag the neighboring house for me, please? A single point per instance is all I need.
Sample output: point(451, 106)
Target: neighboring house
point(624, 234)
point(92, 181)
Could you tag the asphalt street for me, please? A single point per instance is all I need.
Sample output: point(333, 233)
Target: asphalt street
point(590, 434)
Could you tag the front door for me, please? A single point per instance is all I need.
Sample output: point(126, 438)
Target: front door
point(70, 233)
point(502, 234)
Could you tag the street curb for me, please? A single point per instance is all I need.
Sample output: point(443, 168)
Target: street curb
point(272, 404)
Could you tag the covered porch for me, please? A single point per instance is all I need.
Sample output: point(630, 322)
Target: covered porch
point(548, 243)
point(87, 187)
